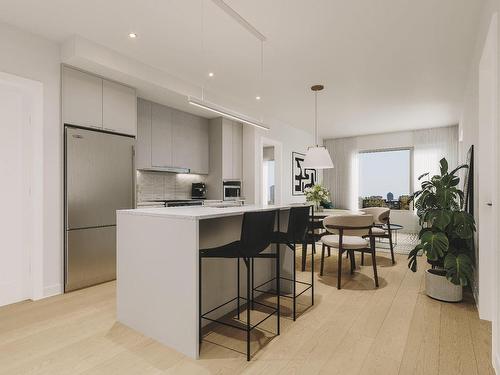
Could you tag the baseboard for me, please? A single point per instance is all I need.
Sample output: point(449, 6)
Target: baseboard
point(52, 290)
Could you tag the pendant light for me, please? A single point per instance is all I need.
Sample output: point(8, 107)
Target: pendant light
point(317, 157)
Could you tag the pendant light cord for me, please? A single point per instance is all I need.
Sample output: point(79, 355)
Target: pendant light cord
point(316, 118)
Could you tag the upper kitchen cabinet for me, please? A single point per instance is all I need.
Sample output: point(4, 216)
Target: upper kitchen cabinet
point(168, 139)
point(90, 101)
point(144, 135)
point(232, 145)
point(190, 146)
point(119, 108)
point(161, 136)
point(81, 98)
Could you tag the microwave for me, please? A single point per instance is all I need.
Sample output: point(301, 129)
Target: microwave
point(231, 190)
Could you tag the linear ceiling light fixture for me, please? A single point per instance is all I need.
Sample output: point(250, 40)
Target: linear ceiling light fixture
point(238, 18)
point(225, 112)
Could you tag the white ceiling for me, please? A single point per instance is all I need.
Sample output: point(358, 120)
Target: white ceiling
point(386, 65)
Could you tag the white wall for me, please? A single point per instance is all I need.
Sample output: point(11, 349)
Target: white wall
point(469, 129)
point(26, 55)
point(290, 140)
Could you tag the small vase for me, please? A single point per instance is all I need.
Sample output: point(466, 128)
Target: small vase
point(318, 207)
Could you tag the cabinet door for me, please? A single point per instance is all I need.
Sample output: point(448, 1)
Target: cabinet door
point(144, 131)
point(227, 149)
point(190, 142)
point(81, 98)
point(119, 108)
point(161, 137)
point(237, 148)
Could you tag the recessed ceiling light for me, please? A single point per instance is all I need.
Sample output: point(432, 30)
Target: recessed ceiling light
point(132, 35)
point(211, 74)
point(257, 97)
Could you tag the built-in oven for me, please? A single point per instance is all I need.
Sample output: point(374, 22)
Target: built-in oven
point(232, 190)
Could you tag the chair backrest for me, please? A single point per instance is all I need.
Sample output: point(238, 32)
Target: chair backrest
point(351, 225)
point(380, 214)
point(256, 232)
point(298, 222)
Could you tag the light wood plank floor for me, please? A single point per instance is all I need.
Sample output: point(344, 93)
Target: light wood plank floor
point(395, 329)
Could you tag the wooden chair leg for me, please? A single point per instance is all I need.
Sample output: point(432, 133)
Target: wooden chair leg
point(353, 261)
point(304, 254)
point(322, 266)
point(339, 270)
point(329, 251)
point(374, 263)
point(362, 258)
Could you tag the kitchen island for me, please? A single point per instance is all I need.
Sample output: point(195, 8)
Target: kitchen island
point(157, 268)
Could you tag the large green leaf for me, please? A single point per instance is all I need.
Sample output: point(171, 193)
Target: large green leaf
point(463, 166)
point(443, 166)
point(434, 244)
point(458, 269)
point(422, 176)
point(463, 224)
point(412, 258)
point(439, 218)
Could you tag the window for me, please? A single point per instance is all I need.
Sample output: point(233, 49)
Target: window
point(384, 179)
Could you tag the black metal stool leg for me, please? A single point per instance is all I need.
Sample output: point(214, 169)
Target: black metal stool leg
point(294, 285)
point(253, 275)
point(278, 289)
point(304, 255)
point(238, 286)
point(199, 302)
point(247, 262)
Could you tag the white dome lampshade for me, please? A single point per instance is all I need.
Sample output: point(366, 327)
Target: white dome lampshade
point(317, 157)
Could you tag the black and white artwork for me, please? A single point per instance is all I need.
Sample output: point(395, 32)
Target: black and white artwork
point(301, 178)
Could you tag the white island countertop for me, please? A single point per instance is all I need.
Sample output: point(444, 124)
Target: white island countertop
point(199, 212)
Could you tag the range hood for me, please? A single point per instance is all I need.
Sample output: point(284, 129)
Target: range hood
point(166, 169)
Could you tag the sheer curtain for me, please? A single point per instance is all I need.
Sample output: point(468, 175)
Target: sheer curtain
point(430, 146)
point(342, 180)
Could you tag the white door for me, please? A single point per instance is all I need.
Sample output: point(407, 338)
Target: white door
point(15, 230)
point(487, 176)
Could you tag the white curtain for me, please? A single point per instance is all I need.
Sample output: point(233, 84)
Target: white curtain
point(342, 180)
point(430, 146)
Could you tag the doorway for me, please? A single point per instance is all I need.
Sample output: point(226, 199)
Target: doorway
point(269, 172)
point(21, 167)
point(487, 173)
point(268, 175)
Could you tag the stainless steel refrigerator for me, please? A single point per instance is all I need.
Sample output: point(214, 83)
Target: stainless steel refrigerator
point(99, 179)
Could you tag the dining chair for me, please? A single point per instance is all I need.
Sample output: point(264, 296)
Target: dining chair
point(349, 234)
point(381, 218)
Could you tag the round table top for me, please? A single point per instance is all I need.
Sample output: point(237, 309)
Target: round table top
point(393, 226)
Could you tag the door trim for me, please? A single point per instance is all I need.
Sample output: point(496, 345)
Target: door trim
point(34, 92)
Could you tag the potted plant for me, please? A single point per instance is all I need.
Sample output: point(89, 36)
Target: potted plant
point(447, 234)
point(317, 194)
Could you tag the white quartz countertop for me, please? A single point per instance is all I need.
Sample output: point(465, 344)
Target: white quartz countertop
point(198, 212)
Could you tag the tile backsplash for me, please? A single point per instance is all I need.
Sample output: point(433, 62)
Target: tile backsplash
point(165, 185)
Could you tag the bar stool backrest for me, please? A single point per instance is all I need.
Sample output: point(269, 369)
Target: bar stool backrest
point(350, 225)
point(256, 232)
point(298, 221)
point(380, 214)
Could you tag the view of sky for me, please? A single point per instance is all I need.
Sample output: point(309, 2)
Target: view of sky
point(384, 172)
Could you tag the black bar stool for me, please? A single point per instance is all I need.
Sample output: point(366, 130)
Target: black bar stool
point(256, 235)
point(298, 224)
